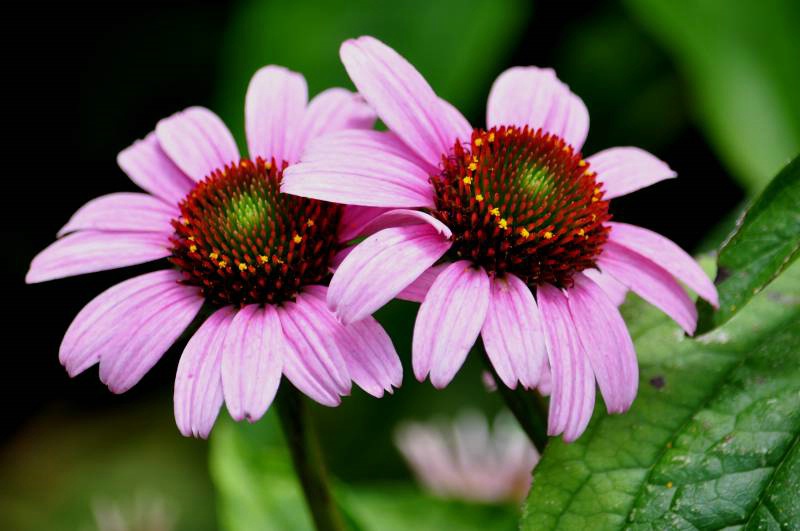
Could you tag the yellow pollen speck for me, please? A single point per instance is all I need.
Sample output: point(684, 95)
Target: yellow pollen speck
point(669, 484)
point(310, 222)
point(472, 166)
point(582, 163)
point(479, 198)
point(581, 232)
point(467, 180)
point(192, 248)
point(503, 223)
point(277, 260)
point(268, 165)
point(596, 191)
point(478, 142)
point(190, 238)
point(184, 221)
point(567, 148)
point(524, 232)
point(213, 256)
point(242, 266)
point(222, 264)
point(297, 238)
point(495, 211)
point(595, 199)
point(594, 217)
point(548, 235)
point(263, 258)
point(491, 137)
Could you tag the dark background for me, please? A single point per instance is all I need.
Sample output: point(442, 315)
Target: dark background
point(86, 80)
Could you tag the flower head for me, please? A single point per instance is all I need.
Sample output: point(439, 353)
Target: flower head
point(260, 260)
point(467, 460)
point(502, 232)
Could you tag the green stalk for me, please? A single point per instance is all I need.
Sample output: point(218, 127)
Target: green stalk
point(307, 458)
point(528, 407)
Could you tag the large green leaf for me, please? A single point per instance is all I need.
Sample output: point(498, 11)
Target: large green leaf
point(454, 43)
point(741, 63)
point(765, 242)
point(257, 490)
point(711, 440)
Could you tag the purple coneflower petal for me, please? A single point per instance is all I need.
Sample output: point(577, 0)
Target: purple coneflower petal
point(103, 326)
point(404, 100)
point(367, 349)
point(367, 168)
point(416, 291)
point(667, 255)
point(535, 97)
point(651, 282)
point(197, 141)
point(607, 343)
point(151, 169)
point(615, 290)
point(144, 333)
point(449, 321)
point(90, 251)
point(512, 333)
point(355, 218)
point(252, 361)
point(461, 128)
point(332, 110)
point(274, 108)
point(198, 383)
point(572, 398)
point(312, 360)
point(124, 211)
point(384, 264)
point(623, 170)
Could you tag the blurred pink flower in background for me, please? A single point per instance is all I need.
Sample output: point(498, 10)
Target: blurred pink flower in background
point(467, 460)
point(260, 259)
point(502, 233)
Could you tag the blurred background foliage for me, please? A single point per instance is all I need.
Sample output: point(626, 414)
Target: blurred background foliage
point(708, 86)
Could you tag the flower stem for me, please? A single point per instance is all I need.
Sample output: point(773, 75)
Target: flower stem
point(528, 407)
point(307, 458)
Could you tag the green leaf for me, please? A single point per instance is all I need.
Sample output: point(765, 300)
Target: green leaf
point(741, 65)
point(257, 490)
point(455, 44)
point(711, 440)
point(765, 242)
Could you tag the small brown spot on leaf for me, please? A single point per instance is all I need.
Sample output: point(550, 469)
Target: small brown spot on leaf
point(658, 382)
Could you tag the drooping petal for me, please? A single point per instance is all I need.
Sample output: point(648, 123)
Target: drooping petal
point(152, 170)
point(105, 325)
point(404, 100)
point(623, 170)
point(572, 392)
point(371, 358)
point(274, 108)
point(651, 282)
point(90, 251)
point(197, 141)
point(144, 333)
point(416, 291)
point(198, 383)
point(312, 359)
point(402, 217)
point(616, 290)
point(449, 321)
point(512, 333)
point(365, 168)
point(354, 218)
point(382, 266)
point(667, 255)
point(535, 97)
point(607, 343)
point(332, 110)
point(124, 211)
point(252, 361)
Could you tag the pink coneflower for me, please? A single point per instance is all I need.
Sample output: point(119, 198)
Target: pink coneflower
point(260, 259)
point(512, 240)
point(467, 460)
